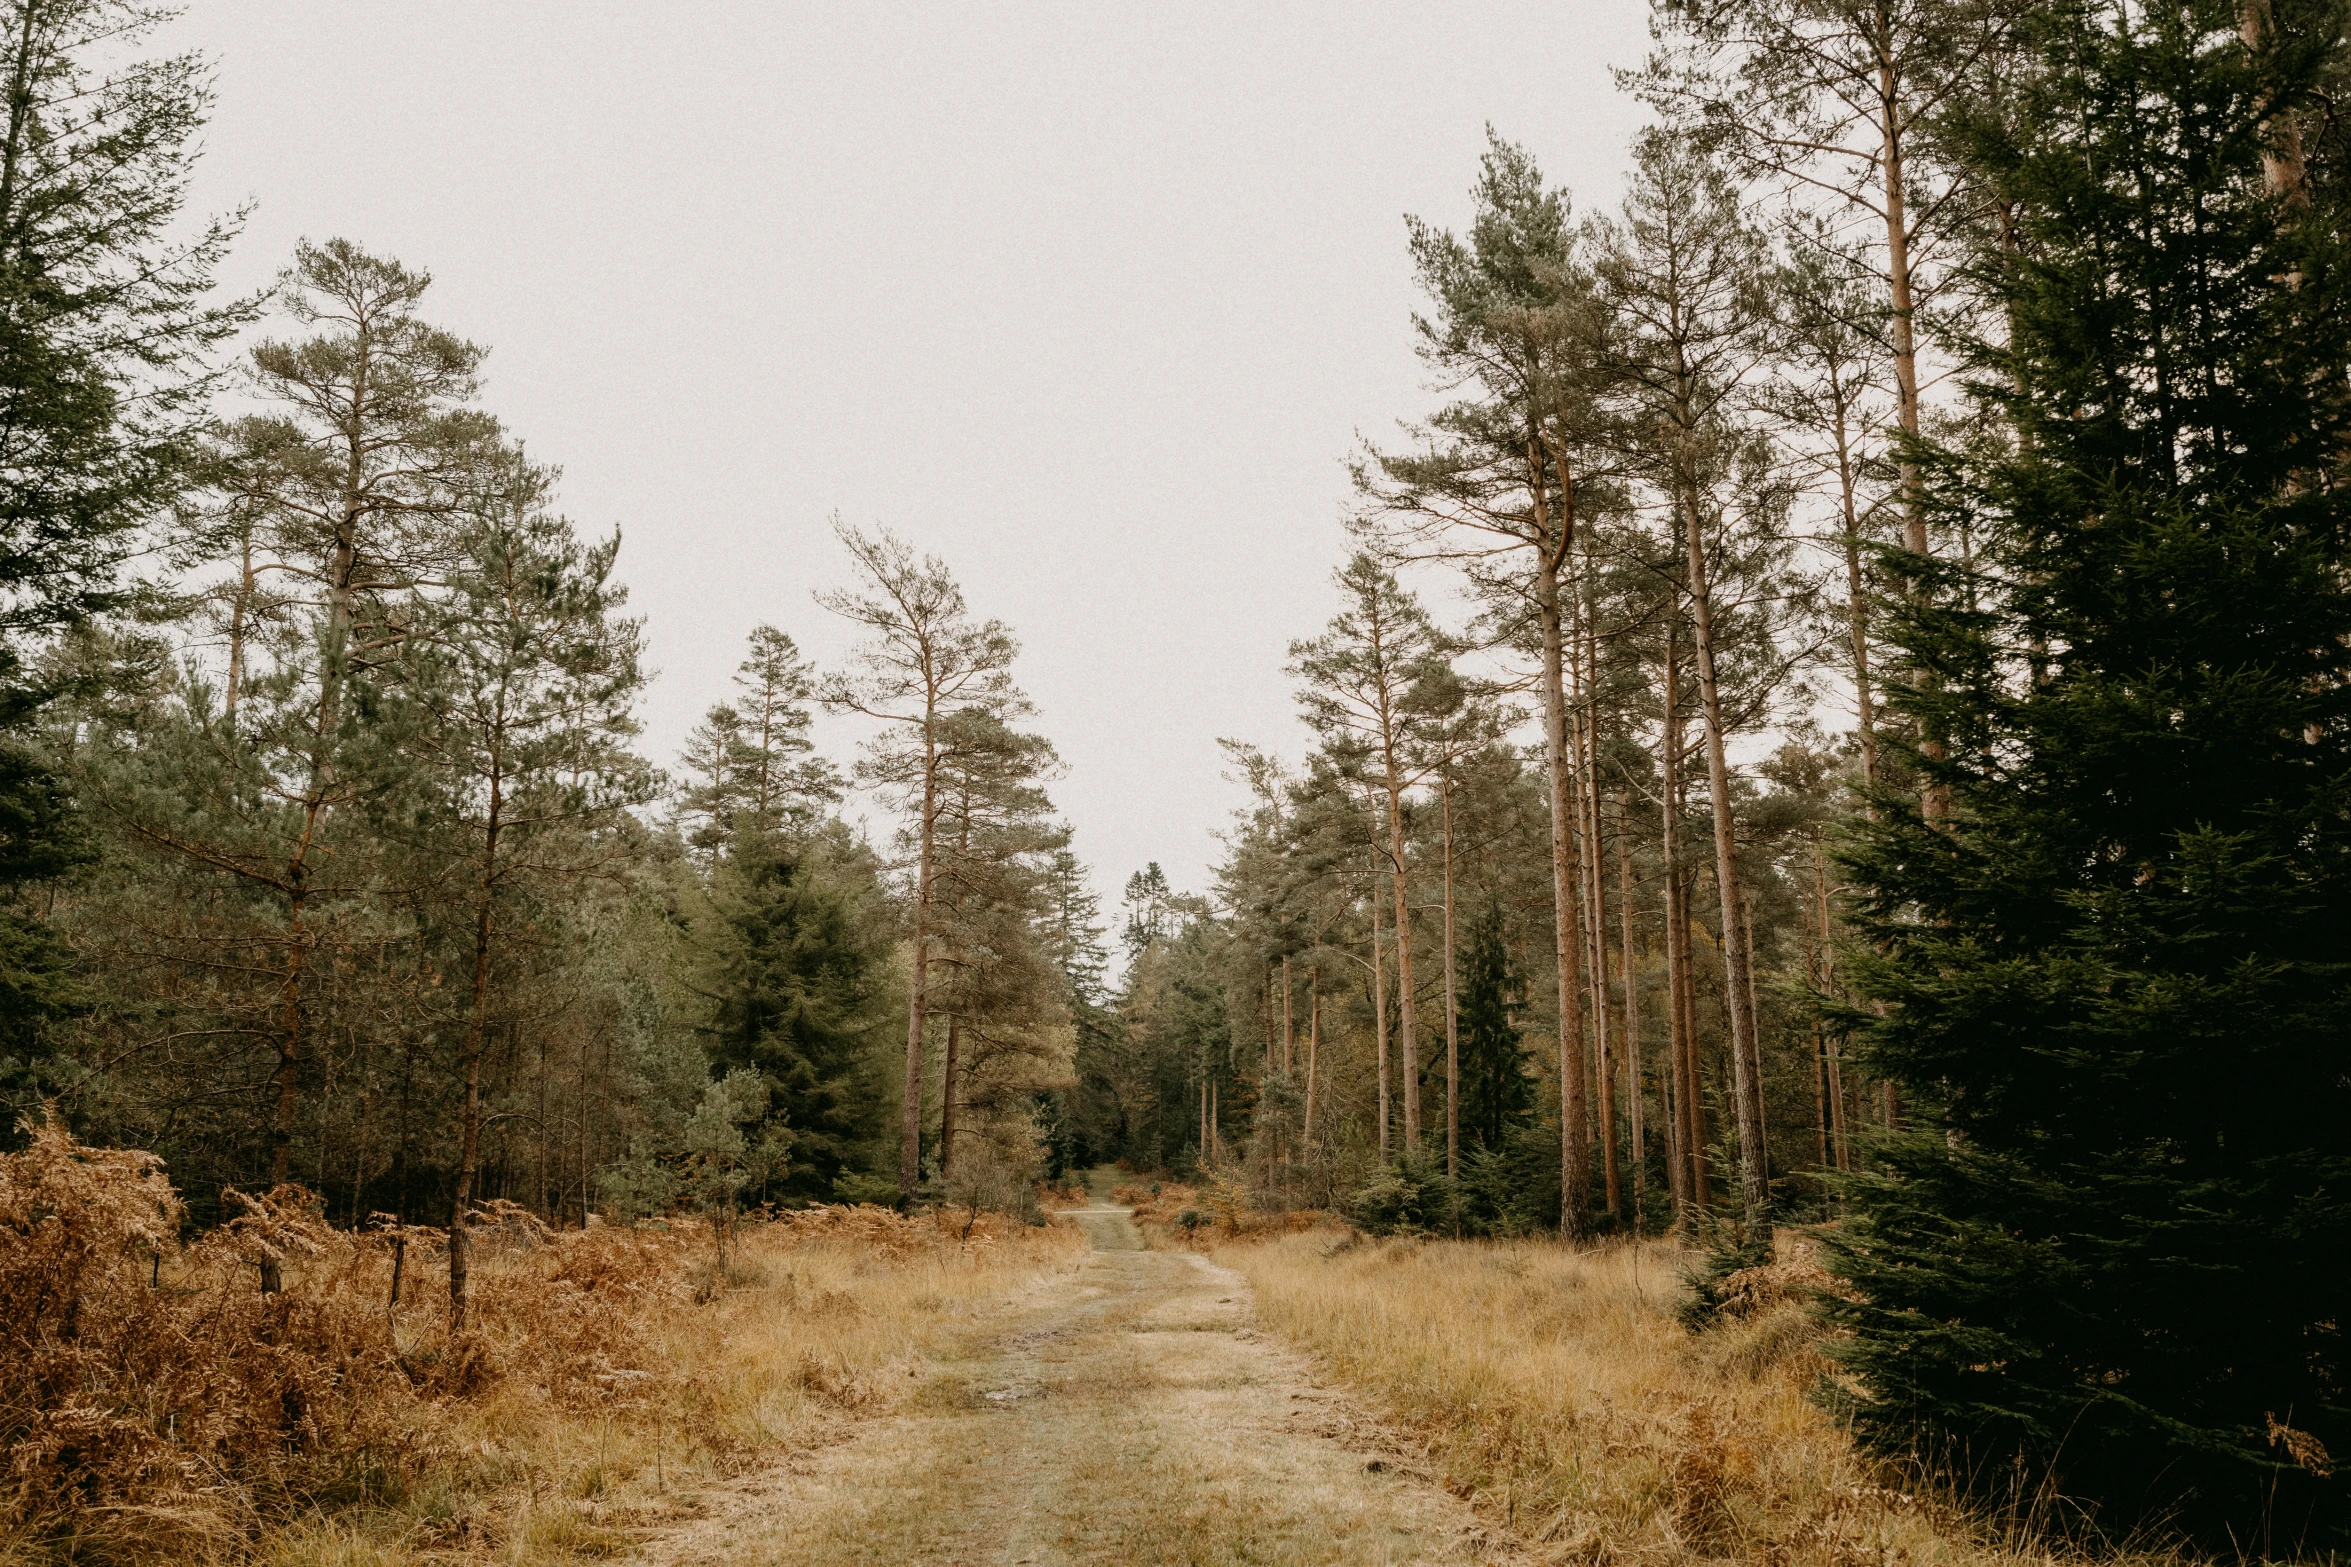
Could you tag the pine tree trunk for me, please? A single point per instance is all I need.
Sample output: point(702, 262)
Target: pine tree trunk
point(1596, 898)
point(1901, 330)
point(1265, 996)
point(910, 1107)
point(1693, 1081)
point(1689, 1138)
point(1289, 1029)
point(1407, 1024)
point(1574, 1157)
point(1313, 1050)
point(1902, 335)
point(1632, 1018)
point(1839, 1142)
point(1452, 1008)
point(947, 1101)
point(1820, 1097)
point(469, 1121)
point(1738, 1004)
point(1379, 1014)
point(1856, 603)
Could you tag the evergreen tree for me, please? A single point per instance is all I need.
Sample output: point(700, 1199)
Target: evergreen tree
point(1504, 477)
point(1073, 931)
point(1148, 919)
point(2114, 979)
point(997, 986)
point(924, 663)
point(1497, 1091)
point(518, 716)
point(790, 958)
point(1365, 691)
point(104, 330)
point(752, 766)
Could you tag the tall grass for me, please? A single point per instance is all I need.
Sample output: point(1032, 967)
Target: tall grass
point(1557, 1391)
point(155, 1401)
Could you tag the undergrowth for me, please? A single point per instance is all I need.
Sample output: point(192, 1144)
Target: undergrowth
point(156, 1401)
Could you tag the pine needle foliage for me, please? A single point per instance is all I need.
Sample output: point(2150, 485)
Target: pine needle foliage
point(2111, 1252)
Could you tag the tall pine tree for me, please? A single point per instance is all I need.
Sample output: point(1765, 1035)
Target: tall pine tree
point(104, 376)
point(2116, 1246)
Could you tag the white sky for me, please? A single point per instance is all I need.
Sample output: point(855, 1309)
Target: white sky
point(1088, 299)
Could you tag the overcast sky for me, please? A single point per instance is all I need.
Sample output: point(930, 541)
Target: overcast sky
point(1090, 300)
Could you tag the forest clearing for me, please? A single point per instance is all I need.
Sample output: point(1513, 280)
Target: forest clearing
point(1743, 954)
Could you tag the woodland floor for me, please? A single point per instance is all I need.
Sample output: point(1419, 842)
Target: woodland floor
point(1132, 1415)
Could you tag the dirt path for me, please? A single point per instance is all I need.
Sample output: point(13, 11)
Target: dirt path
point(1134, 1418)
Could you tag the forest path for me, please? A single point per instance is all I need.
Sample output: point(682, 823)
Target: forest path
point(1135, 1417)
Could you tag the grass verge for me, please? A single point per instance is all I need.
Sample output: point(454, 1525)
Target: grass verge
point(1557, 1393)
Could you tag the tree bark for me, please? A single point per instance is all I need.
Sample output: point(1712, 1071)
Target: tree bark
point(1632, 1020)
point(1839, 1143)
point(1596, 884)
point(1407, 1024)
point(947, 1100)
point(1313, 1050)
point(1902, 333)
point(1574, 1156)
point(1695, 1137)
point(1603, 1057)
point(1289, 1029)
point(1379, 1013)
point(1689, 1123)
point(1738, 995)
point(1452, 1008)
point(910, 1109)
point(469, 1121)
point(1856, 601)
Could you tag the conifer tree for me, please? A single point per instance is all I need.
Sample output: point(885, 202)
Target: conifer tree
point(924, 660)
point(1002, 996)
point(1506, 476)
point(345, 495)
point(1496, 1091)
point(1686, 277)
point(517, 716)
point(105, 326)
point(1363, 693)
point(787, 954)
point(2113, 978)
point(752, 766)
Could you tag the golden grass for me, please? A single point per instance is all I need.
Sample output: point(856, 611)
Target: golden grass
point(818, 1327)
point(155, 1403)
point(1557, 1392)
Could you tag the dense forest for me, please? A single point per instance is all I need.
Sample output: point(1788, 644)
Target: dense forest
point(1834, 714)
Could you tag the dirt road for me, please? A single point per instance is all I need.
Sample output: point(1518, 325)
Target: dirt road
point(1134, 1417)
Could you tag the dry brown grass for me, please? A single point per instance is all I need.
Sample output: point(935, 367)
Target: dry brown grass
point(154, 1402)
point(1556, 1391)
